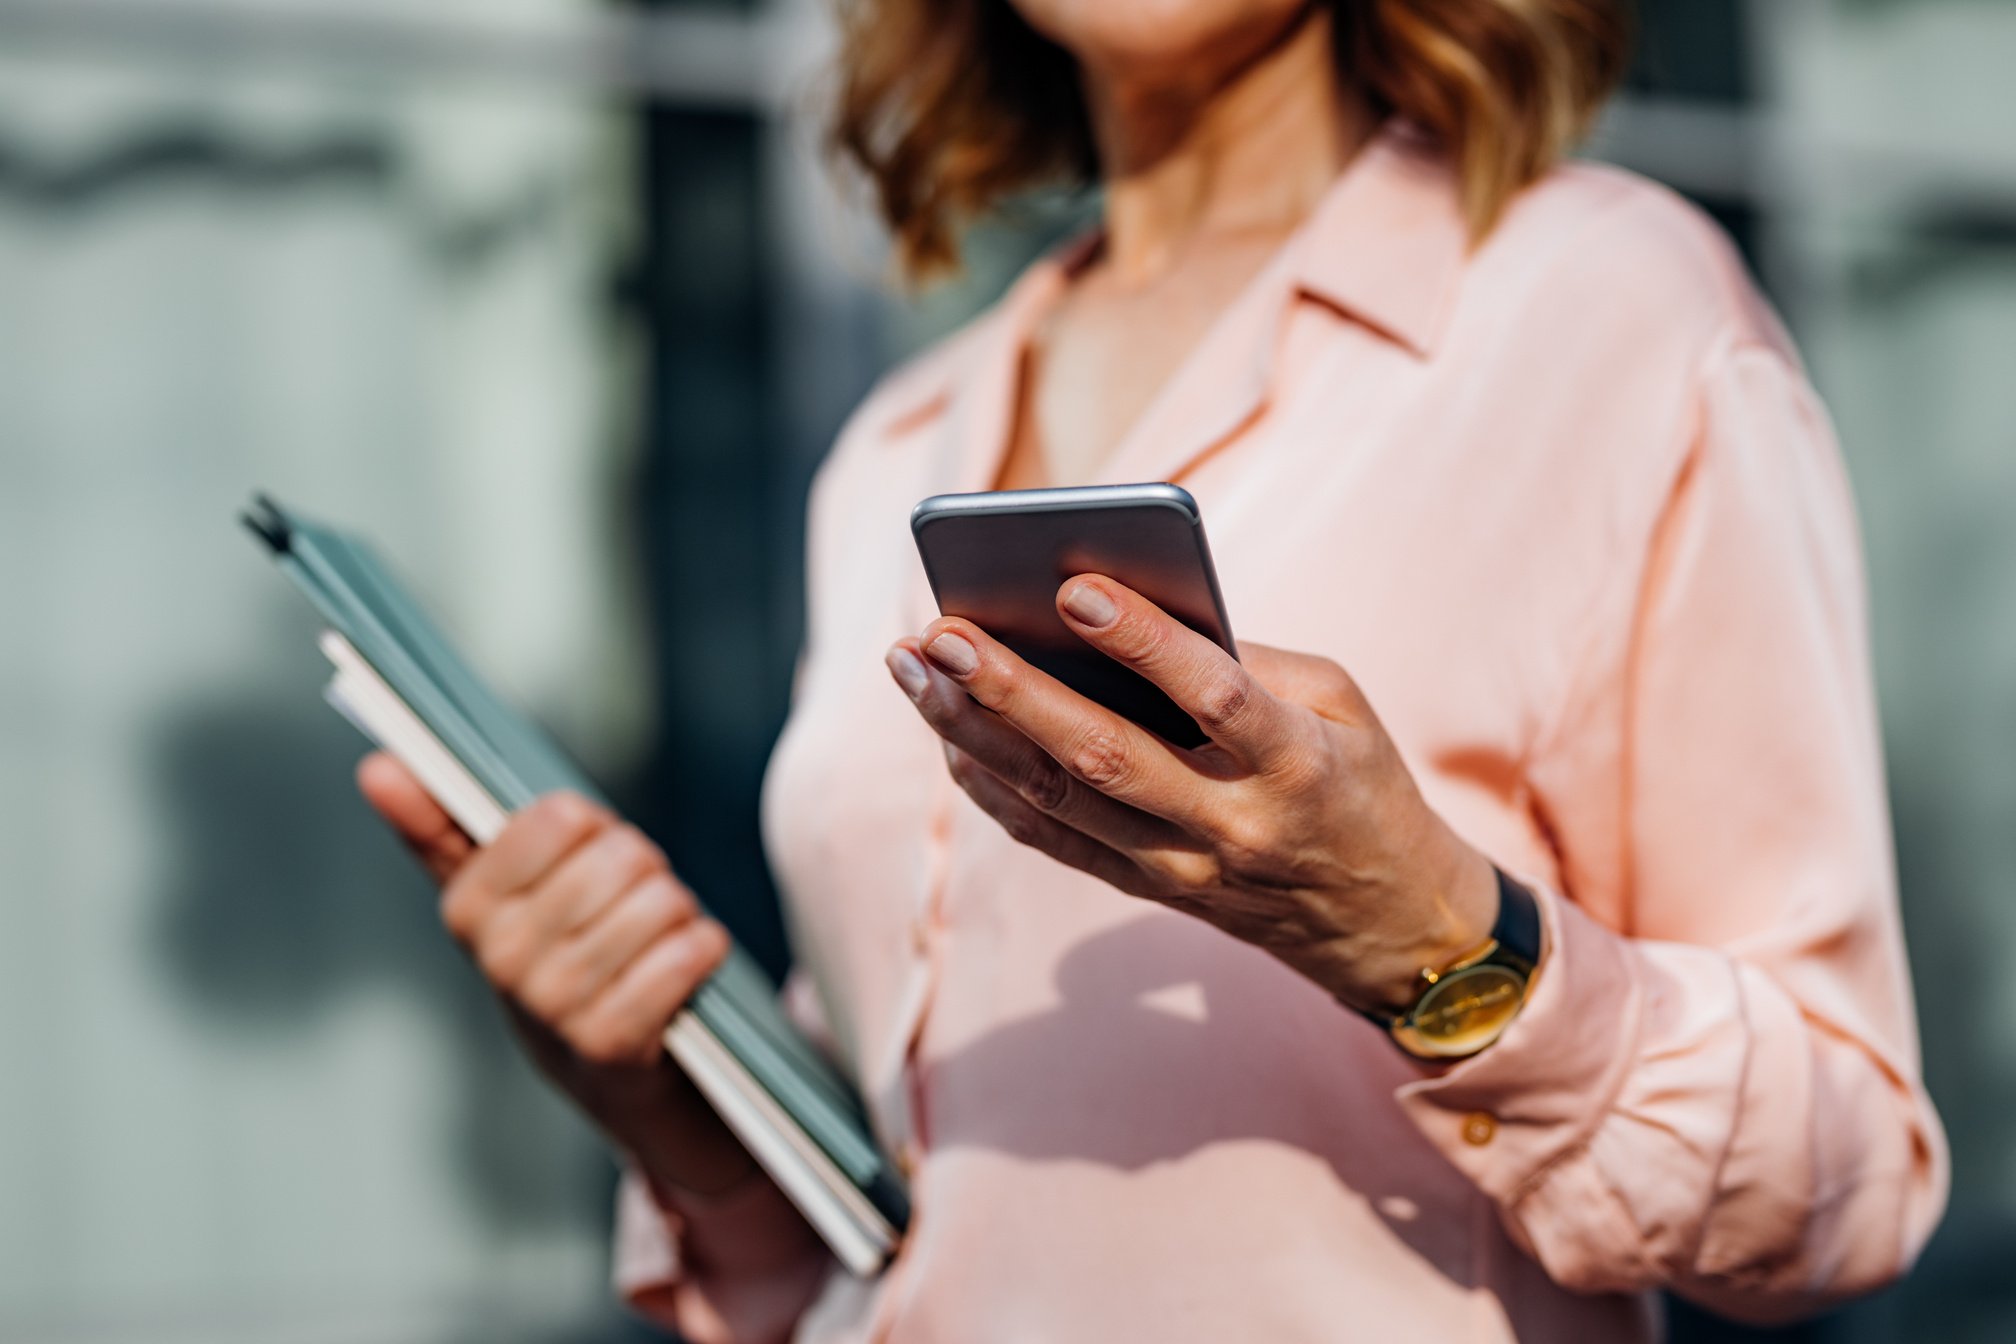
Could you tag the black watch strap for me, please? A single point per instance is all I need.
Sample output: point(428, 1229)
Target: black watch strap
point(1518, 926)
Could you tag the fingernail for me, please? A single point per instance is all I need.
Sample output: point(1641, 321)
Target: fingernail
point(953, 653)
point(910, 673)
point(1089, 603)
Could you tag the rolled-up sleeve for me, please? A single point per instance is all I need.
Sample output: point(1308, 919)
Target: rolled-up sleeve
point(1715, 1087)
point(741, 1268)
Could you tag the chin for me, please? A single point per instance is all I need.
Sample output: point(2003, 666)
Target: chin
point(1161, 38)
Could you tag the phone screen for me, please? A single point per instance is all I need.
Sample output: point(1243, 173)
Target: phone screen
point(997, 559)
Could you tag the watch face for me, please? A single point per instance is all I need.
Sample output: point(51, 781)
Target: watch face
point(1465, 1010)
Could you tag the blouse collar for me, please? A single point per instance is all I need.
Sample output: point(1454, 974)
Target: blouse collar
point(1385, 247)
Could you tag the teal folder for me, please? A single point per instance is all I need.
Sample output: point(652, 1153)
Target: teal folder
point(516, 762)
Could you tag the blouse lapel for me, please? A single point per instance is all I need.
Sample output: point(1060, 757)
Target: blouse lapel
point(1386, 246)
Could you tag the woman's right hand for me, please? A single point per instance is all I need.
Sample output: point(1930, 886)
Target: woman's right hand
point(580, 927)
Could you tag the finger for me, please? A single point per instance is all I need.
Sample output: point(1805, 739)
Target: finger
point(1071, 847)
point(581, 966)
point(976, 739)
point(1116, 757)
point(1207, 683)
point(536, 838)
point(584, 883)
point(625, 1024)
point(413, 814)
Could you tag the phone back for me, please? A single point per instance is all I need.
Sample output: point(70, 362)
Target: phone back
point(998, 559)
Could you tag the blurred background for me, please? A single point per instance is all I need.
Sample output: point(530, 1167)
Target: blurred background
point(557, 301)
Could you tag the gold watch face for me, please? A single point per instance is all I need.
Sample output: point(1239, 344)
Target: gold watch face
point(1464, 1011)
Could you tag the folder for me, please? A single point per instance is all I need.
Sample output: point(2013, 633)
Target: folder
point(399, 682)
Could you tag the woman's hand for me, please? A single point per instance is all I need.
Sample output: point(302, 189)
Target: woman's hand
point(1296, 828)
point(579, 925)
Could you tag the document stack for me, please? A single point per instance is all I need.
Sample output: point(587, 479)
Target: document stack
point(398, 681)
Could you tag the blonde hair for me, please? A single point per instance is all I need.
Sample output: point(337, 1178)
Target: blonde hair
point(951, 105)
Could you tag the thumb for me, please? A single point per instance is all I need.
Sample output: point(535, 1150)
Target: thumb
point(405, 804)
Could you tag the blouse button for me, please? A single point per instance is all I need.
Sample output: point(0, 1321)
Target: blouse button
point(1479, 1128)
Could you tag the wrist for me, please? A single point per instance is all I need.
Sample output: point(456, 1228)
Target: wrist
point(1456, 909)
point(1464, 1007)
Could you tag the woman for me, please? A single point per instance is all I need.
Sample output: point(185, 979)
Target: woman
point(1514, 459)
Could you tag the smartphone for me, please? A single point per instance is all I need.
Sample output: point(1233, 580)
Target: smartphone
point(997, 559)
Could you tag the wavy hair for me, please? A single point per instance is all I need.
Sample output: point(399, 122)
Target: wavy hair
point(951, 105)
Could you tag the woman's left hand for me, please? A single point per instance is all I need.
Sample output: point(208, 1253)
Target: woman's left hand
point(1296, 827)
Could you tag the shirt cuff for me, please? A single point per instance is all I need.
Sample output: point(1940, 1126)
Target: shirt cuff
point(1504, 1116)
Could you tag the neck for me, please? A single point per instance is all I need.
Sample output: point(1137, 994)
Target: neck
point(1247, 152)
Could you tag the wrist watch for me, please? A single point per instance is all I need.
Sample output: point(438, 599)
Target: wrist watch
point(1461, 1008)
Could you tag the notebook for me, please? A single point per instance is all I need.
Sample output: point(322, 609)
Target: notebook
point(399, 682)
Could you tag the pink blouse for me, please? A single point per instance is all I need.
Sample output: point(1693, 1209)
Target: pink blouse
point(1567, 509)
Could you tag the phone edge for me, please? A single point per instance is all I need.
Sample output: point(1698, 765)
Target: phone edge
point(1147, 494)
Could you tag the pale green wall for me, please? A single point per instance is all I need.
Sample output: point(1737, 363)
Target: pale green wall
point(247, 1091)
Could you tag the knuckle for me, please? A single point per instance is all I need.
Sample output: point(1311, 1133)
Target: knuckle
point(548, 995)
point(679, 899)
point(680, 905)
point(1140, 637)
point(1100, 759)
point(1046, 786)
point(503, 956)
point(562, 811)
point(997, 688)
point(1179, 871)
point(660, 903)
point(1223, 700)
point(1243, 842)
point(629, 853)
point(1336, 684)
point(710, 945)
